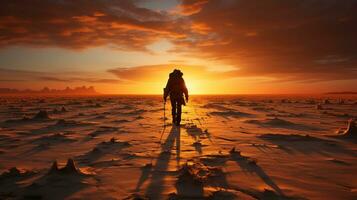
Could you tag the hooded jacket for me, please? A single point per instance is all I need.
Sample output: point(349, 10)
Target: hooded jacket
point(176, 87)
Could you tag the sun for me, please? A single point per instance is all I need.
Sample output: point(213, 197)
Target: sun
point(195, 86)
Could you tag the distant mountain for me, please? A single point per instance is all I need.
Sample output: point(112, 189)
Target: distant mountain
point(47, 91)
point(344, 92)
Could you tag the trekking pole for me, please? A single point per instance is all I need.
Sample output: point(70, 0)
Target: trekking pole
point(163, 130)
point(162, 133)
point(164, 114)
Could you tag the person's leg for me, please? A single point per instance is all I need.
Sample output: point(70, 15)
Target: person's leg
point(179, 111)
point(173, 110)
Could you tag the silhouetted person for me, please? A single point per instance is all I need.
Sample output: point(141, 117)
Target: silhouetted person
point(176, 88)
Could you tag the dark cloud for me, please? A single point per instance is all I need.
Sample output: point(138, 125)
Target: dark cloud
point(21, 75)
point(10, 80)
point(81, 24)
point(76, 79)
point(67, 77)
point(310, 39)
point(292, 40)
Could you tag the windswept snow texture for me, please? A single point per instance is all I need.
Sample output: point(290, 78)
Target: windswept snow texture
point(228, 147)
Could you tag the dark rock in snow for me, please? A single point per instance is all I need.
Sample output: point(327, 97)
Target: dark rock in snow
point(42, 115)
point(70, 168)
point(63, 109)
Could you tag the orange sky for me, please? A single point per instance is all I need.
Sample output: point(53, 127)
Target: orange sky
point(222, 47)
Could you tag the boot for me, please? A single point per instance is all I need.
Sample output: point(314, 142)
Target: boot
point(178, 121)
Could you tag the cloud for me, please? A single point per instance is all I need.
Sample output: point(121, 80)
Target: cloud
point(8, 75)
point(82, 24)
point(303, 41)
point(290, 40)
point(18, 75)
point(152, 73)
point(189, 7)
point(77, 79)
point(10, 80)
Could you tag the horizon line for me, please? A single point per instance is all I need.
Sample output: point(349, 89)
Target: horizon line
point(158, 94)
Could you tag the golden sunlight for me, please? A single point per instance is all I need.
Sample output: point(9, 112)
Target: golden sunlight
point(178, 99)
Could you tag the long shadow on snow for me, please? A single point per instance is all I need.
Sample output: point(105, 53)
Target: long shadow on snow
point(251, 167)
point(306, 144)
point(159, 172)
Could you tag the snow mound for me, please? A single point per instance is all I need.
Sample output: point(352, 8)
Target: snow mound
point(351, 130)
point(69, 168)
point(281, 123)
point(15, 173)
point(231, 113)
point(275, 122)
point(54, 138)
point(41, 115)
point(289, 137)
point(63, 122)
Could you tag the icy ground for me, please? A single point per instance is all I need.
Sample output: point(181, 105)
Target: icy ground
point(228, 147)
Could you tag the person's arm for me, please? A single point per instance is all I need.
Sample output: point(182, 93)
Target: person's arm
point(184, 89)
point(167, 89)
